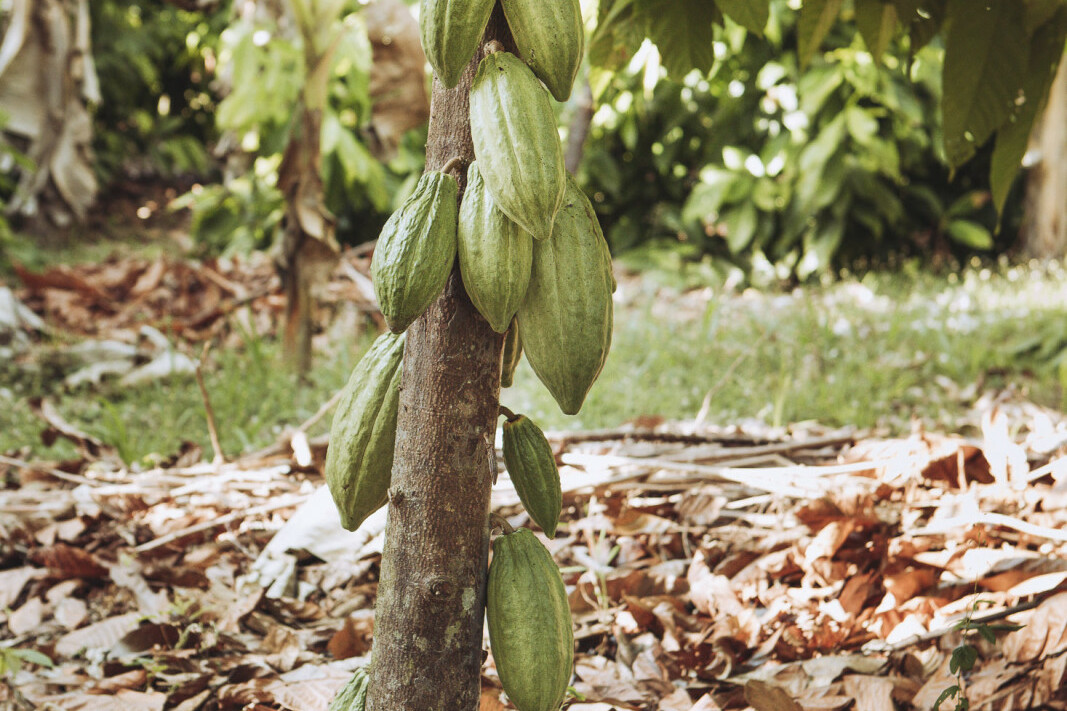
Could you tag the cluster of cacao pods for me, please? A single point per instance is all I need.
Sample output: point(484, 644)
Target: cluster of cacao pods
point(530, 249)
point(526, 604)
point(534, 262)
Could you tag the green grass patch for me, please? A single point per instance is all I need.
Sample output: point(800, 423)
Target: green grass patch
point(879, 351)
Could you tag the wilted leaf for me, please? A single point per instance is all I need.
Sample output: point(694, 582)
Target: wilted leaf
point(1044, 633)
point(65, 561)
point(27, 618)
point(97, 637)
point(766, 697)
point(12, 581)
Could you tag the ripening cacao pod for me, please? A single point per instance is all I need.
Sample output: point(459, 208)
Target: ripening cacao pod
point(529, 622)
point(495, 254)
point(516, 143)
point(550, 37)
point(353, 695)
point(532, 468)
point(451, 31)
point(511, 356)
point(359, 460)
point(416, 251)
point(566, 317)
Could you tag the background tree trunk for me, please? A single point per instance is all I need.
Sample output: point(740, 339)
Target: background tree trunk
point(579, 128)
point(47, 80)
point(308, 250)
point(428, 623)
point(1045, 229)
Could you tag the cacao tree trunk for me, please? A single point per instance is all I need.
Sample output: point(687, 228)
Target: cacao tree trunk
point(1045, 229)
point(428, 623)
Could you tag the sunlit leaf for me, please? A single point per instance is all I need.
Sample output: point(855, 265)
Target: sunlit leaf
point(750, 14)
point(682, 31)
point(985, 66)
point(1046, 50)
point(816, 19)
point(877, 22)
point(970, 234)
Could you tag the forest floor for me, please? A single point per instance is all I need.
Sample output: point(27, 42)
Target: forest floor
point(716, 556)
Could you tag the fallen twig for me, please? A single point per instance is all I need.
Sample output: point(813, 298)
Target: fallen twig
point(212, 430)
point(221, 521)
point(879, 646)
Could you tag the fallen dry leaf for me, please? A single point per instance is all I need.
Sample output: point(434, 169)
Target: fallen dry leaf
point(27, 618)
point(97, 637)
point(766, 697)
point(872, 693)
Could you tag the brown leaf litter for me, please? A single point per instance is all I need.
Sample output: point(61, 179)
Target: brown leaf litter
point(707, 569)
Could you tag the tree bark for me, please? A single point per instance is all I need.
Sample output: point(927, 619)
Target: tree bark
point(1045, 229)
point(579, 128)
point(431, 595)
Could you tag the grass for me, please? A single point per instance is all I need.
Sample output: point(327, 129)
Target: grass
point(878, 351)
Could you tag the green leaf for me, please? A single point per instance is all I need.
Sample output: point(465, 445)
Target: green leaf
point(1046, 50)
point(750, 14)
point(861, 124)
point(682, 31)
point(985, 66)
point(1038, 12)
point(709, 195)
point(32, 656)
point(973, 235)
point(877, 22)
point(923, 19)
point(987, 634)
point(963, 659)
point(816, 19)
point(820, 246)
point(741, 223)
point(619, 32)
point(945, 695)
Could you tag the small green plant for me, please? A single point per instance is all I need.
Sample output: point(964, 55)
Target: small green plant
point(12, 659)
point(965, 655)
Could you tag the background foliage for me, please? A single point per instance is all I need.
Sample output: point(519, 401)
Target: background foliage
point(803, 137)
point(761, 159)
point(156, 65)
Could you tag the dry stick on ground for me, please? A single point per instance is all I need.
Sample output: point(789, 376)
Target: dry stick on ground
point(221, 521)
point(563, 439)
point(880, 647)
point(212, 430)
point(64, 476)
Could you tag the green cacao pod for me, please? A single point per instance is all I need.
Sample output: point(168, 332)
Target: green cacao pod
point(516, 143)
point(529, 622)
point(416, 251)
point(511, 356)
point(353, 695)
point(451, 31)
point(495, 254)
point(550, 37)
point(359, 460)
point(533, 471)
point(566, 317)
